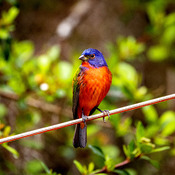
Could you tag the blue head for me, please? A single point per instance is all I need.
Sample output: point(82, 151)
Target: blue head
point(93, 57)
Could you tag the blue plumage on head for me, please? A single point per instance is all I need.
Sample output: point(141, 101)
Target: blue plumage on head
point(95, 57)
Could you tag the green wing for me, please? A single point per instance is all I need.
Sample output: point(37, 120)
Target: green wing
point(76, 89)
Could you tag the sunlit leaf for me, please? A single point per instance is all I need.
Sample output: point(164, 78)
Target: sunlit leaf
point(53, 52)
point(164, 148)
point(169, 35)
point(44, 63)
point(64, 71)
point(110, 163)
point(129, 48)
point(10, 15)
point(167, 121)
point(140, 131)
point(7, 131)
point(150, 113)
point(158, 53)
point(91, 167)
point(24, 50)
point(12, 150)
point(4, 34)
point(126, 151)
point(79, 166)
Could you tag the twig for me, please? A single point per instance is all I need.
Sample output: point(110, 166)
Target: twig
point(65, 28)
point(73, 122)
point(119, 165)
point(33, 102)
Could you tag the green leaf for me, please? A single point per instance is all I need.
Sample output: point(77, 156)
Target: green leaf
point(6, 132)
point(46, 169)
point(131, 171)
point(64, 71)
point(128, 74)
point(150, 113)
point(8, 17)
point(131, 151)
point(170, 20)
point(54, 52)
point(161, 149)
point(129, 48)
point(146, 148)
point(10, 149)
point(169, 35)
point(131, 146)
point(158, 53)
point(111, 150)
point(97, 150)
point(3, 111)
point(124, 127)
point(121, 172)
point(167, 122)
point(91, 167)
point(110, 163)
point(24, 50)
point(140, 93)
point(79, 166)
point(153, 162)
point(34, 167)
point(44, 63)
point(161, 141)
point(139, 131)
point(126, 151)
point(4, 33)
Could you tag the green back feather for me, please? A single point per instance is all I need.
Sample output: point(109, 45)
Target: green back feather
point(76, 90)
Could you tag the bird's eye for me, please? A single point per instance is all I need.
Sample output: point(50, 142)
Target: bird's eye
point(92, 56)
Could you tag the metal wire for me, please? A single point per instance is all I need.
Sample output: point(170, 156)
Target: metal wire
point(92, 117)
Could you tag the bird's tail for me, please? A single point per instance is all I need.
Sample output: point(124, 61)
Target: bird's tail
point(80, 136)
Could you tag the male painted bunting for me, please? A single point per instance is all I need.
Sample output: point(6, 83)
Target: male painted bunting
point(91, 83)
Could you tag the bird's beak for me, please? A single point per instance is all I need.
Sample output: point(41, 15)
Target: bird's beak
point(83, 58)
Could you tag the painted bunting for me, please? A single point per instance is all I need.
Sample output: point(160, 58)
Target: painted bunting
point(91, 83)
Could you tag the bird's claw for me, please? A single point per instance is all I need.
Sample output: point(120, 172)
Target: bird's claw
point(84, 118)
point(104, 120)
point(106, 112)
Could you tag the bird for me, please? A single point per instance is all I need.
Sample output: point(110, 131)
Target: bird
point(91, 84)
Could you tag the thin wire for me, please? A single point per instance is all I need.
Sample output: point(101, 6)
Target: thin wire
point(92, 117)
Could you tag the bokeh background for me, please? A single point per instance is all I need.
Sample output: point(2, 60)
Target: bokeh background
point(40, 42)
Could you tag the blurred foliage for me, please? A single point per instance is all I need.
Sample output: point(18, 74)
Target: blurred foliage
point(48, 78)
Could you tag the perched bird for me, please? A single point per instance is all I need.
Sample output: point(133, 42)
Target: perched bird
point(91, 83)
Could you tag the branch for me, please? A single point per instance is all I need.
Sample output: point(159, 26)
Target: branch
point(93, 117)
point(119, 165)
point(66, 27)
point(32, 102)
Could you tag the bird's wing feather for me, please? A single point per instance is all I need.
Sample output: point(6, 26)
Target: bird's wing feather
point(76, 89)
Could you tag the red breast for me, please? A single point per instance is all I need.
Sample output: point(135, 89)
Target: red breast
point(94, 85)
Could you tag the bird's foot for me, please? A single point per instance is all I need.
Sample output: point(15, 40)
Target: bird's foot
point(105, 112)
point(84, 118)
